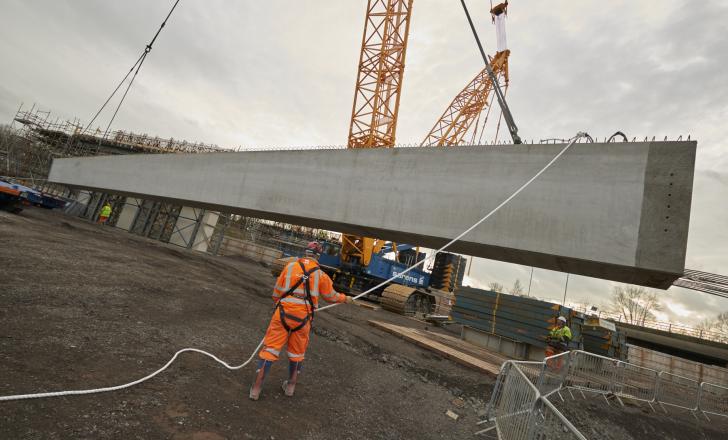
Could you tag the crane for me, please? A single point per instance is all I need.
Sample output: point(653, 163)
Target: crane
point(379, 78)
point(373, 125)
point(376, 97)
point(469, 104)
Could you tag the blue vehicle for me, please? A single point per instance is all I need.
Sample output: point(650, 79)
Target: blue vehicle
point(418, 292)
point(19, 195)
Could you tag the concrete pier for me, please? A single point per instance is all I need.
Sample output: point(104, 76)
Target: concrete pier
point(616, 211)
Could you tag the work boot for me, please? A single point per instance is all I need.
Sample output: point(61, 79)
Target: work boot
point(260, 373)
point(289, 386)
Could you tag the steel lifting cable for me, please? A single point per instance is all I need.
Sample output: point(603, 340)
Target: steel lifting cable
point(260, 344)
point(512, 128)
point(500, 117)
point(489, 103)
point(134, 68)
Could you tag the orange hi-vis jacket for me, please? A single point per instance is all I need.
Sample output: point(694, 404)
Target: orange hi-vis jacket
point(291, 322)
point(319, 283)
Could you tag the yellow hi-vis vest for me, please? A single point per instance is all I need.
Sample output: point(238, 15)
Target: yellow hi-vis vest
point(561, 334)
point(106, 211)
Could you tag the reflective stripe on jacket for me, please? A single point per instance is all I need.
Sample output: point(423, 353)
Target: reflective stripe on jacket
point(319, 283)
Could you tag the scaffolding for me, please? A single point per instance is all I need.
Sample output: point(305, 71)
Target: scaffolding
point(35, 138)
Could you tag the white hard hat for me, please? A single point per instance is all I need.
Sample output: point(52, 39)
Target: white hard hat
point(562, 319)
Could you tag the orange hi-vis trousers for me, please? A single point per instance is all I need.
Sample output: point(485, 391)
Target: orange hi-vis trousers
point(289, 294)
point(277, 336)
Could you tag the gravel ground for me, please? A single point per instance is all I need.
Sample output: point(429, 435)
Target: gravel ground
point(598, 420)
point(87, 306)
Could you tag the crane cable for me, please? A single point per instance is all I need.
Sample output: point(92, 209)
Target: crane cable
point(496, 86)
point(137, 65)
point(260, 344)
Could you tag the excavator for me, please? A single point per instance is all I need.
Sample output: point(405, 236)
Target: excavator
point(358, 263)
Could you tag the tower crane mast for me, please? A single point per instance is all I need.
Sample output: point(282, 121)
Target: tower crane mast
point(374, 125)
point(379, 79)
point(376, 96)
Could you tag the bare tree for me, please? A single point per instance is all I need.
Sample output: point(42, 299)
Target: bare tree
point(517, 288)
point(496, 287)
point(718, 325)
point(634, 304)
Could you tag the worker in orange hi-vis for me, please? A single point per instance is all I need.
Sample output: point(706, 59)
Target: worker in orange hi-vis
point(296, 296)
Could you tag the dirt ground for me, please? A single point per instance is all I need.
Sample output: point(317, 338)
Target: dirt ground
point(597, 419)
point(87, 306)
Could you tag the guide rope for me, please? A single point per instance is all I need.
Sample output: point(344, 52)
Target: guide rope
point(260, 344)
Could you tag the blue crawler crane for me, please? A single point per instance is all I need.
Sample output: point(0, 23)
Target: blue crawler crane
point(420, 292)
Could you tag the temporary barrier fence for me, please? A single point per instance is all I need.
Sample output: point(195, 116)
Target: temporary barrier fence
point(635, 382)
point(554, 372)
point(519, 407)
point(513, 414)
point(532, 369)
point(678, 391)
point(713, 400)
point(592, 372)
point(520, 411)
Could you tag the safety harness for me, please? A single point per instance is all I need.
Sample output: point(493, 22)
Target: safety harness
point(302, 322)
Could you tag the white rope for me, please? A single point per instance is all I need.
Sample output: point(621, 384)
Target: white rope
point(136, 382)
point(260, 344)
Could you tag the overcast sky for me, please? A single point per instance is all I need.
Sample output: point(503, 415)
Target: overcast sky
point(281, 73)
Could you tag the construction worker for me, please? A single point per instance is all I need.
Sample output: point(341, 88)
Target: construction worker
point(105, 213)
point(558, 341)
point(296, 296)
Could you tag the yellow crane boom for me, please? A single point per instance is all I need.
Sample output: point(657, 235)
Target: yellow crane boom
point(379, 80)
point(376, 96)
point(458, 117)
point(379, 87)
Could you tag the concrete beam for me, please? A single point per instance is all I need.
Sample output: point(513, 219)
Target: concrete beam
point(615, 211)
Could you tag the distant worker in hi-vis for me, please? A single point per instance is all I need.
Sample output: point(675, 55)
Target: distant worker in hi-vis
point(105, 213)
point(558, 340)
point(296, 295)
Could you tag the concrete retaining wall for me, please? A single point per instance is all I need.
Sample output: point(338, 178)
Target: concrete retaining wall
point(254, 251)
point(655, 360)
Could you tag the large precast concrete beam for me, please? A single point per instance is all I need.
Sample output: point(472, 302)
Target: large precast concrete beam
point(617, 211)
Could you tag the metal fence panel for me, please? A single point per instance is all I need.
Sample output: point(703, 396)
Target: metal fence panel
point(592, 372)
point(521, 410)
point(636, 382)
point(554, 372)
point(515, 405)
point(531, 369)
point(713, 399)
point(677, 391)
